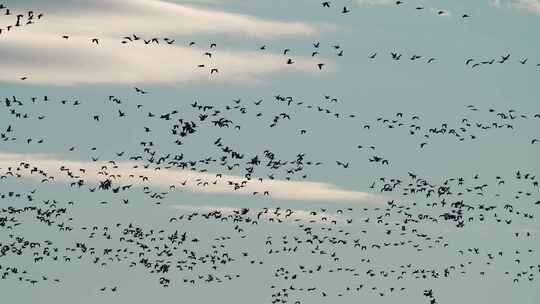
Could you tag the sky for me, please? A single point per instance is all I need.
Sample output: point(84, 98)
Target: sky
point(350, 93)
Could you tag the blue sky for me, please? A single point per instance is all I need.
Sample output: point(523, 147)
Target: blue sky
point(98, 78)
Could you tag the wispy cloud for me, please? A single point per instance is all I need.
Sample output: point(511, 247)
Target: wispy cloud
point(117, 18)
point(39, 53)
point(194, 181)
point(47, 59)
point(528, 5)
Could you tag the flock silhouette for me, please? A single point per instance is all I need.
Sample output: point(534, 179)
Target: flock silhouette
point(176, 256)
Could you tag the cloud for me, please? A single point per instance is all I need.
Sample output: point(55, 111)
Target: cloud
point(39, 53)
point(47, 59)
point(117, 18)
point(528, 5)
point(195, 181)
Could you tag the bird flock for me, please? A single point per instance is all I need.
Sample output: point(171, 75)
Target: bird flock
point(347, 243)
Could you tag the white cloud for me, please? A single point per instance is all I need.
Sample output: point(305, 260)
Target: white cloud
point(39, 53)
point(278, 189)
point(529, 5)
point(48, 59)
point(117, 18)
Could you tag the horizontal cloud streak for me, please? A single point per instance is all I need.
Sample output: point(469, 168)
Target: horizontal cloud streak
point(117, 18)
point(528, 5)
point(165, 178)
point(46, 59)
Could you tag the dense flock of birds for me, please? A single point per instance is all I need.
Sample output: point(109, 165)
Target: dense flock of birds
point(175, 255)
